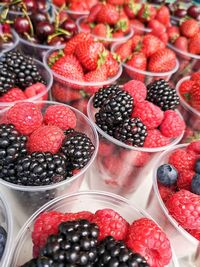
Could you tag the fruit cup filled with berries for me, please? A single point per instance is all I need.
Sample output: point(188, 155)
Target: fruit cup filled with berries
point(80, 69)
point(175, 198)
point(92, 229)
point(134, 123)
point(46, 148)
point(22, 78)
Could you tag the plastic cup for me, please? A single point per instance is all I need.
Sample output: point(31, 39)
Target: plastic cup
point(29, 198)
point(91, 201)
point(184, 244)
point(120, 168)
point(74, 93)
point(6, 221)
point(12, 45)
point(140, 30)
point(144, 76)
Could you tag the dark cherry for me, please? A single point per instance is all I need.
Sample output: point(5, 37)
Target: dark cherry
point(156, 1)
point(69, 25)
point(63, 16)
point(41, 5)
point(44, 29)
point(180, 13)
point(198, 17)
point(22, 25)
point(38, 17)
point(69, 36)
point(193, 11)
point(58, 40)
point(31, 5)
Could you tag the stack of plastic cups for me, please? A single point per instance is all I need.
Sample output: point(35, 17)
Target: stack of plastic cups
point(121, 168)
point(12, 45)
point(90, 201)
point(185, 245)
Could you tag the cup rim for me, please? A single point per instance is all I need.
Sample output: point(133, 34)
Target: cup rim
point(183, 102)
point(83, 84)
point(186, 54)
point(16, 42)
point(178, 227)
point(34, 98)
point(70, 179)
point(105, 39)
point(123, 145)
point(158, 74)
point(146, 30)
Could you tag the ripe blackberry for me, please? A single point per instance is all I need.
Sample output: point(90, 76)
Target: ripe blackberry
point(103, 94)
point(78, 149)
point(24, 68)
point(132, 132)
point(102, 119)
point(41, 169)
point(112, 252)
point(161, 94)
point(7, 80)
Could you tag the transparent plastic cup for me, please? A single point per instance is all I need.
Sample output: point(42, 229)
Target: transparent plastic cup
point(120, 168)
point(188, 63)
point(6, 221)
point(184, 244)
point(44, 95)
point(144, 76)
point(140, 30)
point(191, 116)
point(86, 200)
point(12, 45)
point(74, 93)
point(105, 40)
point(29, 198)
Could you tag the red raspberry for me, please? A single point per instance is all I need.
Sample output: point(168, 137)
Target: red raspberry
point(36, 89)
point(195, 233)
point(185, 179)
point(172, 125)
point(184, 206)
point(185, 89)
point(137, 90)
point(194, 147)
point(195, 76)
point(150, 114)
point(182, 160)
point(156, 139)
point(26, 117)
point(110, 224)
point(146, 237)
point(166, 191)
point(14, 94)
point(46, 139)
point(87, 215)
point(61, 116)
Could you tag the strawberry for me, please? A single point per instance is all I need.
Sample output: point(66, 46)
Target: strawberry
point(61, 93)
point(146, 13)
point(194, 44)
point(124, 50)
point(116, 2)
point(85, 27)
point(173, 33)
point(151, 44)
point(156, 139)
point(185, 89)
point(102, 30)
point(91, 3)
point(156, 27)
point(131, 8)
point(163, 37)
point(194, 147)
point(58, 3)
point(136, 42)
point(36, 89)
point(123, 25)
point(185, 179)
point(163, 15)
point(138, 27)
point(165, 191)
point(181, 43)
point(162, 61)
point(108, 14)
point(195, 233)
point(93, 12)
point(14, 94)
point(189, 28)
point(111, 65)
point(137, 90)
point(195, 96)
point(137, 61)
point(78, 5)
point(195, 76)
point(182, 160)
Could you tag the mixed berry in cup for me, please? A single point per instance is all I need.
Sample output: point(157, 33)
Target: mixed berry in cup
point(95, 229)
point(46, 149)
point(134, 123)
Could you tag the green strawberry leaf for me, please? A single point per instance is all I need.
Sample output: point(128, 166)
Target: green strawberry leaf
point(102, 58)
point(121, 25)
point(187, 97)
point(92, 25)
point(52, 60)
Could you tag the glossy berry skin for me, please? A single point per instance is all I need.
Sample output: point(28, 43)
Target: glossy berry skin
point(167, 174)
point(195, 185)
point(22, 25)
point(38, 17)
point(193, 11)
point(180, 13)
point(70, 25)
point(3, 237)
point(44, 29)
point(31, 5)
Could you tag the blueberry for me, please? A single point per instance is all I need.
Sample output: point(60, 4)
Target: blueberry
point(195, 186)
point(167, 174)
point(197, 166)
point(3, 237)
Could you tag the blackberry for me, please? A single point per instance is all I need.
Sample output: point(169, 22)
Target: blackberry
point(7, 80)
point(102, 121)
point(132, 132)
point(78, 149)
point(23, 67)
point(161, 94)
point(41, 168)
point(112, 252)
point(103, 94)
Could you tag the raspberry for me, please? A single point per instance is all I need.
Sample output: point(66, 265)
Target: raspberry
point(194, 147)
point(195, 76)
point(46, 139)
point(184, 206)
point(25, 116)
point(14, 94)
point(185, 179)
point(150, 114)
point(137, 90)
point(87, 215)
point(146, 237)
point(182, 160)
point(195, 233)
point(110, 224)
point(36, 89)
point(166, 191)
point(61, 116)
point(156, 139)
point(185, 88)
point(172, 125)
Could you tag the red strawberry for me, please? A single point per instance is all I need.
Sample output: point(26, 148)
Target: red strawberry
point(124, 50)
point(116, 2)
point(163, 15)
point(146, 13)
point(101, 30)
point(108, 14)
point(136, 42)
point(156, 27)
point(78, 5)
point(195, 96)
point(137, 61)
point(173, 33)
point(162, 61)
point(46, 139)
point(194, 44)
point(195, 76)
point(64, 94)
point(148, 239)
point(36, 89)
point(111, 65)
point(184, 206)
point(185, 179)
point(195, 233)
point(189, 28)
point(131, 8)
point(138, 27)
point(150, 114)
point(74, 41)
point(93, 12)
point(151, 44)
point(163, 37)
point(14, 94)
point(91, 3)
point(194, 147)
point(156, 139)
point(85, 27)
point(137, 90)
point(25, 116)
point(58, 3)
point(182, 160)
point(61, 116)
point(165, 191)
point(185, 89)
point(181, 43)
point(110, 224)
